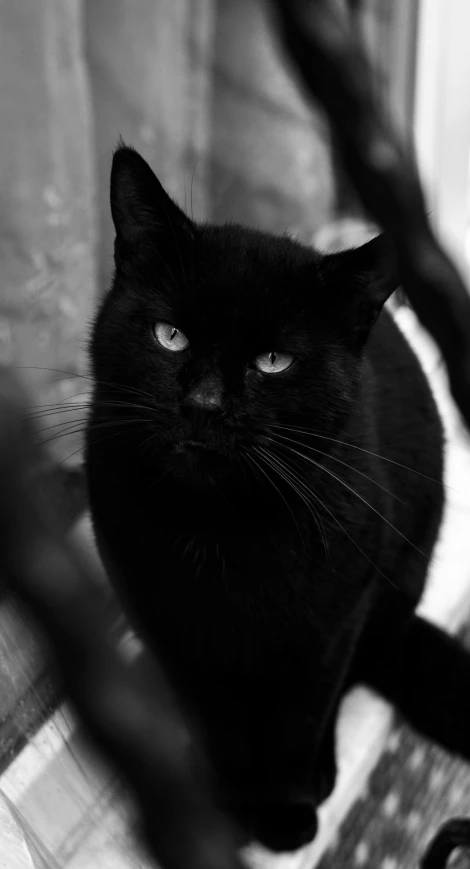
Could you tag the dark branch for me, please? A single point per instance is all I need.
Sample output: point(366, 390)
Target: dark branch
point(128, 710)
point(454, 834)
point(333, 66)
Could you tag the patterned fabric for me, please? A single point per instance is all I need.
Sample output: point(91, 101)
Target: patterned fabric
point(28, 685)
point(415, 788)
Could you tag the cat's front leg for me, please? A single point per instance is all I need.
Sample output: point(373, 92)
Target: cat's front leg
point(280, 810)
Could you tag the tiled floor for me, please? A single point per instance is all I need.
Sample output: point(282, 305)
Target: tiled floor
point(70, 807)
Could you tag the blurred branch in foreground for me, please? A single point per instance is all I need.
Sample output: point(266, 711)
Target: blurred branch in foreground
point(325, 48)
point(127, 709)
point(454, 834)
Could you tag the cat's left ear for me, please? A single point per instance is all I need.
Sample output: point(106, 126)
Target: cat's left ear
point(140, 207)
point(360, 281)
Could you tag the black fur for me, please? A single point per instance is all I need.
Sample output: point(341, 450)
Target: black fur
point(271, 567)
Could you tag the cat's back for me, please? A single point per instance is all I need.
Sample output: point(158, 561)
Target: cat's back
point(401, 393)
point(408, 435)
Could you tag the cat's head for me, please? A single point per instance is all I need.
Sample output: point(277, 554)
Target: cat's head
point(229, 333)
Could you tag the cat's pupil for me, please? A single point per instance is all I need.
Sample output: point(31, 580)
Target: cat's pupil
point(272, 358)
point(173, 333)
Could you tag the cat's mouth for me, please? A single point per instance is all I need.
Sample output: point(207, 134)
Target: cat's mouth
point(191, 443)
point(205, 450)
point(199, 461)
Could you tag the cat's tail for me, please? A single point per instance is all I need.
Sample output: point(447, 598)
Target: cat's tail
point(428, 679)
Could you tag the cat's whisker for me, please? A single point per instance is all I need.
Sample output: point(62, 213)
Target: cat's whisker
point(82, 419)
point(291, 478)
point(162, 429)
point(76, 428)
point(68, 374)
point(101, 440)
point(257, 465)
point(253, 467)
point(359, 548)
point(68, 433)
point(310, 494)
point(341, 462)
point(253, 460)
point(82, 426)
point(48, 413)
point(158, 478)
point(98, 405)
point(147, 442)
point(354, 542)
point(239, 460)
point(60, 403)
point(97, 421)
point(358, 495)
point(94, 381)
point(306, 431)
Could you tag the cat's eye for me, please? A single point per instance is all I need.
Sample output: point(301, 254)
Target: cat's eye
point(273, 362)
point(170, 337)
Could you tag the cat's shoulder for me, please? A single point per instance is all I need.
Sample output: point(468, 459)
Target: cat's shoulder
point(389, 345)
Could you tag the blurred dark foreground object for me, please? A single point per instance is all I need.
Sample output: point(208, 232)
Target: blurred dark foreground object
point(454, 834)
point(323, 43)
point(127, 709)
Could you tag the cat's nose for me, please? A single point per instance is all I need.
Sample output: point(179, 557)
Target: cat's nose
point(205, 395)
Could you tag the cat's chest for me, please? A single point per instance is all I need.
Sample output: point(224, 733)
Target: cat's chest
point(235, 599)
point(212, 569)
point(197, 568)
point(237, 607)
point(238, 587)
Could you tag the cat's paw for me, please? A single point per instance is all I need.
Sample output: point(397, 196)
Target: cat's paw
point(281, 826)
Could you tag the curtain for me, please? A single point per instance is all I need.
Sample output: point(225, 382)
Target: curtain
point(47, 226)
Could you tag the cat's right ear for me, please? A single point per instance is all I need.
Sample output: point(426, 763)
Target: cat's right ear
point(141, 209)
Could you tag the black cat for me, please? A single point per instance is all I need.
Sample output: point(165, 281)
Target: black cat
point(265, 461)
